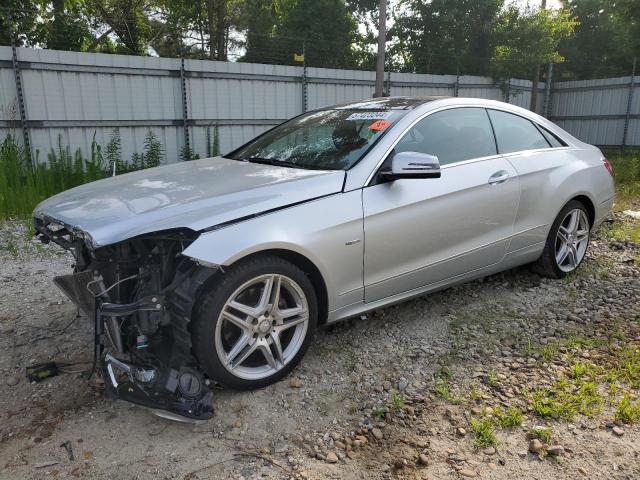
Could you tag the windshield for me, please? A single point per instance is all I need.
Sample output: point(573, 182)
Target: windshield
point(325, 139)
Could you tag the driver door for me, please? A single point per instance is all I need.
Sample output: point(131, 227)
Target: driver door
point(420, 232)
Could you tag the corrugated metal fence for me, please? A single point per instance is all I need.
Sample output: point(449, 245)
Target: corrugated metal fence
point(76, 96)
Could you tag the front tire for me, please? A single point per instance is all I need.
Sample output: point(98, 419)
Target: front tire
point(567, 242)
point(255, 323)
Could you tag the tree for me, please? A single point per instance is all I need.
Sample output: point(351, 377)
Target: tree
point(526, 39)
point(445, 36)
point(20, 18)
point(127, 19)
point(600, 45)
point(69, 28)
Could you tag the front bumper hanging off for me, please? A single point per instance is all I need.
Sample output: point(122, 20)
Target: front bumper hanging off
point(176, 392)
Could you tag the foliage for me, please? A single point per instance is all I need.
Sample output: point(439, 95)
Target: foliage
point(113, 152)
point(526, 39)
point(511, 418)
point(23, 185)
point(445, 36)
point(627, 411)
point(484, 431)
point(543, 433)
point(153, 154)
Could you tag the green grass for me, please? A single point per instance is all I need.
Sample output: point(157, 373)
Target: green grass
point(511, 418)
point(397, 402)
point(543, 433)
point(484, 432)
point(23, 185)
point(626, 174)
point(627, 411)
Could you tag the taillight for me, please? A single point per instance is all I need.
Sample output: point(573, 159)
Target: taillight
point(608, 166)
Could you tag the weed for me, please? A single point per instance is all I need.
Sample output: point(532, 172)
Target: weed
point(475, 393)
point(492, 378)
point(543, 433)
point(484, 431)
point(509, 419)
point(627, 412)
point(443, 390)
point(397, 402)
point(549, 352)
point(379, 413)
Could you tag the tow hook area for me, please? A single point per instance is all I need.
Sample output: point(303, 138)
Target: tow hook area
point(182, 395)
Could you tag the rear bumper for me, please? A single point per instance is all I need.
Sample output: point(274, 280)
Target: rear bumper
point(603, 211)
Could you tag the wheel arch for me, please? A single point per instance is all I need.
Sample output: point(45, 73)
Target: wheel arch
point(588, 204)
point(306, 265)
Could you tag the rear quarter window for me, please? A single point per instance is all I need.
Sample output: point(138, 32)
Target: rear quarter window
point(515, 133)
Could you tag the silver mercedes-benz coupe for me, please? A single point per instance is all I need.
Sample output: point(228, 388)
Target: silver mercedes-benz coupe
point(222, 268)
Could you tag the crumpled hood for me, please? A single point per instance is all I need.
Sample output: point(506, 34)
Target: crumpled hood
point(196, 195)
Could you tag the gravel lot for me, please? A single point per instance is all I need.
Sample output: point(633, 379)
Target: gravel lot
point(402, 393)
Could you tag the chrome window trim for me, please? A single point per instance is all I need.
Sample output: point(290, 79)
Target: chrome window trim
point(471, 160)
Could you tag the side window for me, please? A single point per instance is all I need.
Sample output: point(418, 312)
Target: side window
point(553, 140)
point(514, 133)
point(452, 135)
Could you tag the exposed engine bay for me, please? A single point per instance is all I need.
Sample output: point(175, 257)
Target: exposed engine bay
point(140, 293)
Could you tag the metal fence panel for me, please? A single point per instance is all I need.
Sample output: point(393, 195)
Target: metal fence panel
point(72, 98)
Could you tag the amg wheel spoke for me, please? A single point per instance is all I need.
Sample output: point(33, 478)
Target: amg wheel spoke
point(562, 254)
point(563, 234)
point(581, 235)
point(237, 321)
point(277, 346)
point(292, 312)
point(265, 296)
point(234, 356)
point(268, 355)
point(246, 309)
point(573, 256)
point(573, 221)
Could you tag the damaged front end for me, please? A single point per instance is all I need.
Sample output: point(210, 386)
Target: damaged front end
point(140, 294)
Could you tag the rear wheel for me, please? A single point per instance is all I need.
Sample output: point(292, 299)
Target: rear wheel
point(567, 242)
point(256, 323)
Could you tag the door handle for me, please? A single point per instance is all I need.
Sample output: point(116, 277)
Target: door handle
point(498, 177)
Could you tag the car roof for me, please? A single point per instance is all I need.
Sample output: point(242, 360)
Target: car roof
point(387, 103)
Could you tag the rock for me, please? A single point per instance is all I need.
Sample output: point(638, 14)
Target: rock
point(340, 445)
point(296, 383)
point(461, 431)
point(377, 433)
point(489, 451)
point(582, 470)
point(555, 450)
point(400, 464)
point(423, 459)
point(12, 381)
point(617, 431)
point(465, 472)
point(403, 383)
point(332, 457)
point(535, 446)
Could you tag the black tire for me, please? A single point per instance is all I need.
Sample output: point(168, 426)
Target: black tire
point(212, 300)
point(547, 265)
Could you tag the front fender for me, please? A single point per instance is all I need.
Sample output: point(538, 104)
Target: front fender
point(327, 231)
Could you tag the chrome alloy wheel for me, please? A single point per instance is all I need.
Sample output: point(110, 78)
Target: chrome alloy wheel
point(262, 326)
point(571, 240)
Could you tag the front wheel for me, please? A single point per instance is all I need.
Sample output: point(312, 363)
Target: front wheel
point(567, 242)
point(256, 323)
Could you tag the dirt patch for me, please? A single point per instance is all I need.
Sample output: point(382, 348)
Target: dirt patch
point(426, 389)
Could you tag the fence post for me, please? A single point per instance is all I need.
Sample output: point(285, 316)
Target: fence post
point(185, 113)
point(305, 94)
point(456, 85)
point(546, 108)
point(507, 91)
point(19, 90)
point(388, 88)
point(627, 117)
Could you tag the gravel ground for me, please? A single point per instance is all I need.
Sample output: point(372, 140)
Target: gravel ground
point(401, 393)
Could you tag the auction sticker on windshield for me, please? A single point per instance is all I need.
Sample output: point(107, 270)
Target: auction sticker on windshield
point(369, 115)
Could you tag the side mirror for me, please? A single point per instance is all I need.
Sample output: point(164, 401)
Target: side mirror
point(412, 165)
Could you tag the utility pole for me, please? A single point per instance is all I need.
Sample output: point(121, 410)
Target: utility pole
point(534, 85)
point(382, 40)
